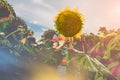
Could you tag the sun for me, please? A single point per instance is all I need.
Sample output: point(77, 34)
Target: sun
point(69, 23)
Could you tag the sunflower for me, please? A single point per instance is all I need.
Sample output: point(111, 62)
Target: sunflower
point(69, 23)
point(6, 11)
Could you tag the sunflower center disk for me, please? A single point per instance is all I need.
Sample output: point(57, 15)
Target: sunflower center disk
point(69, 23)
point(4, 12)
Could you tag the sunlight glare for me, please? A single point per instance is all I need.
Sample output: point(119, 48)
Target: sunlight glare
point(118, 10)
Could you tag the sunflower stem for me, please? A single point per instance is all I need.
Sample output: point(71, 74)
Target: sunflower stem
point(11, 33)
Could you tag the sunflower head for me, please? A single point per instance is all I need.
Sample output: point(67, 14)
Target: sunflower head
point(69, 23)
point(6, 11)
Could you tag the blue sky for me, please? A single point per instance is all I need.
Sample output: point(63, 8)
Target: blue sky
point(97, 12)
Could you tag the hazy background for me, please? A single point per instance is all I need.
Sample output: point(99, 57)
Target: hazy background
point(97, 12)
